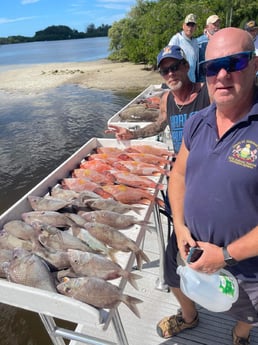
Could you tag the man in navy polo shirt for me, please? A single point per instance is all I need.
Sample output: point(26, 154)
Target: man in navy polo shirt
point(213, 187)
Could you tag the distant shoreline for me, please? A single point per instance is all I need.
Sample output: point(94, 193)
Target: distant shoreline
point(100, 74)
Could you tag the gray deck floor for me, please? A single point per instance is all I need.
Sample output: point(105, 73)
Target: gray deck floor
point(213, 329)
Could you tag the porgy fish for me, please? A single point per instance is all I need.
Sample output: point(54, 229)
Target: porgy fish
point(8, 241)
point(115, 239)
point(28, 269)
point(114, 219)
point(97, 292)
point(20, 229)
point(49, 203)
point(56, 239)
point(94, 265)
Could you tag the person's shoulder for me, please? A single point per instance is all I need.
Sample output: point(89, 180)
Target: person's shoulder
point(202, 39)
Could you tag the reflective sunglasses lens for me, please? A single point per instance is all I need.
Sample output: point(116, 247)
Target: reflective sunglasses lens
point(172, 68)
point(232, 63)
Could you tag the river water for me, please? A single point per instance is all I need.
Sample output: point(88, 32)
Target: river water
point(37, 133)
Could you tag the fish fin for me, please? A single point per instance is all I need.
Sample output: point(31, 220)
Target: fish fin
point(111, 254)
point(132, 277)
point(131, 304)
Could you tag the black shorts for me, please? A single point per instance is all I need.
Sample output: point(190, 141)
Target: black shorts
point(172, 279)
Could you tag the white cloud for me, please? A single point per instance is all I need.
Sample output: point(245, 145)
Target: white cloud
point(14, 20)
point(26, 2)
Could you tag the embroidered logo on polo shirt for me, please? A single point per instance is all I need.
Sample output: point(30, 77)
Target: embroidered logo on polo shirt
point(244, 153)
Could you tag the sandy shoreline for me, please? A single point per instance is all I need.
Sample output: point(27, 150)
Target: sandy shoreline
point(101, 74)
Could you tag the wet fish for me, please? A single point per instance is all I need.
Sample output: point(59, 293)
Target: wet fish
point(55, 239)
point(139, 113)
point(140, 168)
point(56, 260)
point(97, 292)
point(94, 265)
point(49, 203)
point(28, 269)
point(53, 218)
point(112, 205)
point(97, 165)
point(96, 245)
point(79, 184)
point(149, 158)
point(20, 229)
point(5, 256)
point(114, 219)
point(115, 239)
point(94, 176)
point(133, 180)
point(128, 195)
point(155, 150)
point(8, 241)
point(64, 194)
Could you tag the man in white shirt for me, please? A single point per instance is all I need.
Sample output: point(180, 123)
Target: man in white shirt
point(188, 43)
point(252, 28)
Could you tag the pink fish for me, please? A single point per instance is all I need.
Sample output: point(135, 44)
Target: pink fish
point(155, 150)
point(94, 176)
point(133, 180)
point(140, 168)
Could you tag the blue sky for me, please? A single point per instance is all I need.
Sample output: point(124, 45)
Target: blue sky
point(25, 17)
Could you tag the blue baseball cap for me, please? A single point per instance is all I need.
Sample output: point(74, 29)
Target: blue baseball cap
point(174, 52)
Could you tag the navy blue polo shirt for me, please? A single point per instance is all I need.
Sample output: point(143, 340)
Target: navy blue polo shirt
point(221, 198)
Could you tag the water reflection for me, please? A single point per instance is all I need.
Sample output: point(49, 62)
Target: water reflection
point(37, 133)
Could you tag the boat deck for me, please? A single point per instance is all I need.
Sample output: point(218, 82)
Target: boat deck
point(213, 329)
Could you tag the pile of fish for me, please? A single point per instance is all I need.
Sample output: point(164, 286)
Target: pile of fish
point(144, 110)
point(68, 241)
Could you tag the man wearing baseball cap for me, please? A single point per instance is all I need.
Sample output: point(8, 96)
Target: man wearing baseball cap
point(212, 25)
point(188, 43)
point(252, 28)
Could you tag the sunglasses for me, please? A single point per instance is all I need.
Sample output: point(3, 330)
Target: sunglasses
point(172, 68)
point(230, 63)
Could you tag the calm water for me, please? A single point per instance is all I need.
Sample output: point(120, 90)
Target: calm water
point(37, 133)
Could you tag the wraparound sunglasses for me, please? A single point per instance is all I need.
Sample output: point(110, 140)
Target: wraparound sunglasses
point(231, 63)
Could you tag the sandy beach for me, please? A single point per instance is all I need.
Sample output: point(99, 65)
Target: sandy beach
point(101, 74)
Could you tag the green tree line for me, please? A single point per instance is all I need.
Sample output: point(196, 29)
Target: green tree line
point(149, 25)
point(59, 32)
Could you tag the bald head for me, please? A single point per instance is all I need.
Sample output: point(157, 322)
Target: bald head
point(228, 41)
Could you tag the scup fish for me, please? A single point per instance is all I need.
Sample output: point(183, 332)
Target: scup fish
point(55, 239)
point(133, 180)
point(140, 168)
point(94, 176)
point(115, 239)
point(47, 217)
point(96, 245)
point(49, 203)
point(112, 205)
point(20, 229)
point(94, 265)
point(28, 269)
point(8, 241)
point(155, 150)
point(97, 292)
point(113, 219)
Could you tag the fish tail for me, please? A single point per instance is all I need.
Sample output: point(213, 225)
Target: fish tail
point(160, 186)
point(137, 209)
point(132, 277)
point(140, 257)
point(131, 304)
point(160, 202)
